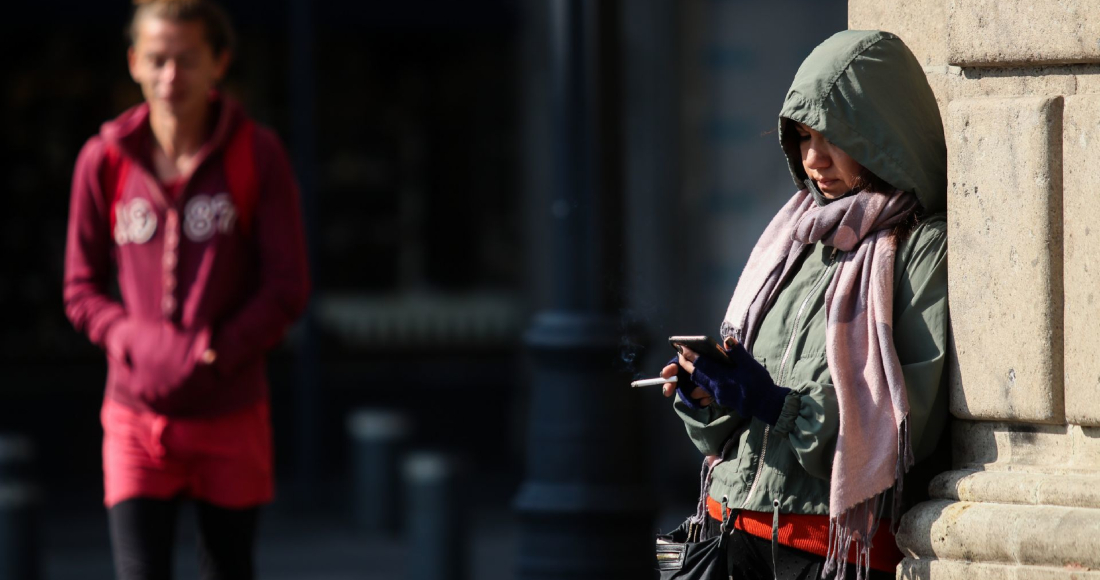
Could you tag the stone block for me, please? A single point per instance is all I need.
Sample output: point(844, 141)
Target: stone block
point(953, 82)
point(1030, 535)
point(1086, 441)
point(1008, 32)
point(1005, 223)
point(911, 569)
point(1053, 449)
point(920, 23)
point(944, 81)
point(1088, 80)
point(1016, 81)
point(1081, 148)
point(1018, 487)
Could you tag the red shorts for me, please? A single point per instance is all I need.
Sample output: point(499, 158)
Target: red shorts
point(224, 460)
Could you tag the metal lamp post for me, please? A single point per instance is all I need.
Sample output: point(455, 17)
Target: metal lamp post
point(584, 503)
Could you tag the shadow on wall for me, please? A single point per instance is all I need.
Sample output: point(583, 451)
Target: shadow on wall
point(958, 404)
point(1038, 73)
point(915, 570)
point(982, 443)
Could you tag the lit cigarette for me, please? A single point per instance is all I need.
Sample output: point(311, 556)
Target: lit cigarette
point(652, 382)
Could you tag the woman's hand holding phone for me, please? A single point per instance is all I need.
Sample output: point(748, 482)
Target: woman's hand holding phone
point(744, 385)
point(686, 361)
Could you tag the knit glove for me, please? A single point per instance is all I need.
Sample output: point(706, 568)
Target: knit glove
point(744, 385)
point(684, 386)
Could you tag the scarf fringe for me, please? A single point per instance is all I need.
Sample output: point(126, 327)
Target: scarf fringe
point(859, 524)
point(704, 485)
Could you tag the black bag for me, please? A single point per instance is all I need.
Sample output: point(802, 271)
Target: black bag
point(682, 556)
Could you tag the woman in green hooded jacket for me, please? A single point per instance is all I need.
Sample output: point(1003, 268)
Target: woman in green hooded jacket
point(837, 329)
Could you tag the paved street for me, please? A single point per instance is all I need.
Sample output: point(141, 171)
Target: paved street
point(316, 545)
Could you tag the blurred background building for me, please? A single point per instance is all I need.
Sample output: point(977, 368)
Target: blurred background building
point(423, 134)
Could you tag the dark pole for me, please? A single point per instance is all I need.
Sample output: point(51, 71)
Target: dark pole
point(435, 529)
point(19, 546)
point(303, 151)
point(584, 503)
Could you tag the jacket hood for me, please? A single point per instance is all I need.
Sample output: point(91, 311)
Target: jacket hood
point(867, 94)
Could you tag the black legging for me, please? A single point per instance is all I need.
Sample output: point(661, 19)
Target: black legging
point(143, 535)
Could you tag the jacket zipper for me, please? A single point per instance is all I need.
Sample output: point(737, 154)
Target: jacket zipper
point(798, 317)
point(782, 369)
point(759, 467)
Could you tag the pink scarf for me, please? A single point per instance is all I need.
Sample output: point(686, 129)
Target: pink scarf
point(872, 448)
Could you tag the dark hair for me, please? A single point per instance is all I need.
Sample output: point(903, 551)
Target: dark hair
point(867, 180)
point(217, 28)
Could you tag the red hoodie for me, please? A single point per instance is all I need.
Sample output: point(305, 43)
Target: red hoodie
point(194, 271)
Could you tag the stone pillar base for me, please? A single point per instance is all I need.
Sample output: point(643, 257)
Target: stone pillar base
point(1025, 505)
point(953, 570)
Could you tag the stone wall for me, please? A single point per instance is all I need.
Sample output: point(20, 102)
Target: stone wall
point(1018, 84)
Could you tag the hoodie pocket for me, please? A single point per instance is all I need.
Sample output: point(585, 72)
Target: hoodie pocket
point(163, 360)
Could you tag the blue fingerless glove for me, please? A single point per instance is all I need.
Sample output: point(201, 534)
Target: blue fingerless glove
point(744, 386)
point(684, 386)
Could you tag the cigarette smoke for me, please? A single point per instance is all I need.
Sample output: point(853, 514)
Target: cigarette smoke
point(631, 347)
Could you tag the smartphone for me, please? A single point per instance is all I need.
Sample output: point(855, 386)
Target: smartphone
point(704, 345)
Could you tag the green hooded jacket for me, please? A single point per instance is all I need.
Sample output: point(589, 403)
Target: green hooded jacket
point(866, 93)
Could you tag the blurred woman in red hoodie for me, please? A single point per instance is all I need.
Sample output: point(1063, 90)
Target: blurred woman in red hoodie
point(193, 208)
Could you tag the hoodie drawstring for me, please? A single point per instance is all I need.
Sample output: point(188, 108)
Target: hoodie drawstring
point(775, 538)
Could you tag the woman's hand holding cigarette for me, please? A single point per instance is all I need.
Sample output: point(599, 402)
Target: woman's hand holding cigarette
point(685, 361)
